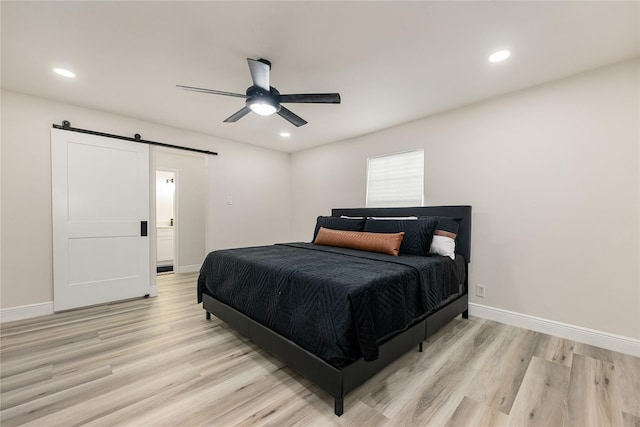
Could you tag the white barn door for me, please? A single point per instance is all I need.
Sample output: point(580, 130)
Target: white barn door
point(100, 201)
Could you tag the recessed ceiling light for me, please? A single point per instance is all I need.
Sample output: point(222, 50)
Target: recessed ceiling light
point(499, 56)
point(285, 134)
point(64, 73)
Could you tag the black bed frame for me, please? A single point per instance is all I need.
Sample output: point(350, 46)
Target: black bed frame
point(339, 382)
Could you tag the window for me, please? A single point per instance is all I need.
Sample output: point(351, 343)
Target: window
point(395, 179)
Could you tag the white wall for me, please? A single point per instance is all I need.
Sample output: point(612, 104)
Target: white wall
point(552, 173)
point(26, 276)
point(259, 183)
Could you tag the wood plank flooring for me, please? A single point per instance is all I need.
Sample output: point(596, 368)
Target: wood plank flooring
point(158, 362)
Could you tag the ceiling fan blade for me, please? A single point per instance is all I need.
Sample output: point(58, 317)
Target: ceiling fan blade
point(260, 70)
point(314, 98)
point(294, 119)
point(237, 115)
point(211, 91)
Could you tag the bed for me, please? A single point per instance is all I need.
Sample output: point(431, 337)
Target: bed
point(338, 315)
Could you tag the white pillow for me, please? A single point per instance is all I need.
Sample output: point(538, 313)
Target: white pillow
point(442, 245)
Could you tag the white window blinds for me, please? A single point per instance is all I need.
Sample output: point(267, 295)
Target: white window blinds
point(395, 179)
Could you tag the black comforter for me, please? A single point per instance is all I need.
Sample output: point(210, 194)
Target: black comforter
point(336, 303)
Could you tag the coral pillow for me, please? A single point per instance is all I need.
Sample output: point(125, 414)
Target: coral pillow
point(386, 243)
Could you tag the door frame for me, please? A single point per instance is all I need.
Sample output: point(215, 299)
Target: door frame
point(183, 184)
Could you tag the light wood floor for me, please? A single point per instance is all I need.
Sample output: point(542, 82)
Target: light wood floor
point(158, 362)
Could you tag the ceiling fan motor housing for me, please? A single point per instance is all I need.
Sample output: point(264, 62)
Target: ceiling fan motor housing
point(257, 95)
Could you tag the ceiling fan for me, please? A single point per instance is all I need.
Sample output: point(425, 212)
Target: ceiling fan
point(263, 99)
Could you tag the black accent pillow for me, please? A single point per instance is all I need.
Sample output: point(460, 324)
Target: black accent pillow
point(337, 223)
point(418, 232)
point(450, 225)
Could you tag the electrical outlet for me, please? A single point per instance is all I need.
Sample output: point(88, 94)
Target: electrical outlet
point(229, 200)
point(480, 291)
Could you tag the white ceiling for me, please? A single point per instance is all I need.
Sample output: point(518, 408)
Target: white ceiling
point(392, 62)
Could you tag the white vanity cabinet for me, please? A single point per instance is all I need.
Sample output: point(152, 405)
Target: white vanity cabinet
point(165, 245)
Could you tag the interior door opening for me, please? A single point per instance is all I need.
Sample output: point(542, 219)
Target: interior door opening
point(165, 221)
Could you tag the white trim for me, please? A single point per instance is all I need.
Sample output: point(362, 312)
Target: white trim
point(26, 311)
point(601, 339)
point(188, 268)
point(153, 290)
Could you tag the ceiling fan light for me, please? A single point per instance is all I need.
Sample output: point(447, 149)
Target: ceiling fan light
point(263, 108)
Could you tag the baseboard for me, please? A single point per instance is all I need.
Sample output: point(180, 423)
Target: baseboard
point(571, 332)
point(26, 311)
point(188, 268)
point(22, 312)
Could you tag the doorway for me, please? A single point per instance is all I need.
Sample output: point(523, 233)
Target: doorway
point(166, 221)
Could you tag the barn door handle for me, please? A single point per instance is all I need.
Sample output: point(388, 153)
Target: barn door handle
point(143, 228)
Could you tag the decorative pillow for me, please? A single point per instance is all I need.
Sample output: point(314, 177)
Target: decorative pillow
point(372, 242)
point(444, 239)
point(337, 223)
point(418, 232)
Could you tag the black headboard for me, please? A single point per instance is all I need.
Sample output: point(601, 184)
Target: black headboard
point(463, 241)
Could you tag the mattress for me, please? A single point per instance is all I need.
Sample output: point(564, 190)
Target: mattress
point(337, 303)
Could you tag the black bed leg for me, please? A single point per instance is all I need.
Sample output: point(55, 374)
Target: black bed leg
point(208, 316)
point(420, 348)
point(465, 314)
point(339, 406)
